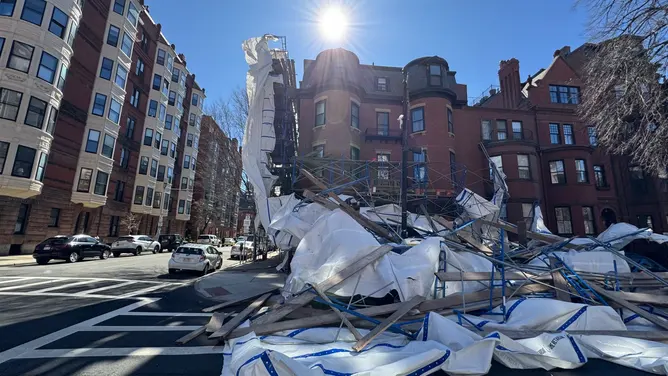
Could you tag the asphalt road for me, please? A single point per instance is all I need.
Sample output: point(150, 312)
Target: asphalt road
point(119, 316)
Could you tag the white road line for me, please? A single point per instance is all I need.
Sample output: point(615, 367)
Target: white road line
point(144, 291)
point(26, 285)
point(64, 286)
point(98, 279)
point(120, 352)
point(59, 294)
point(169, 314)
point(104, 288)
point(13, 280)
point(147, 328)
point(29, 347)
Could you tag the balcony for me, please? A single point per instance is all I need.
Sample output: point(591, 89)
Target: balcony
point(389, 135)
point(496, 137)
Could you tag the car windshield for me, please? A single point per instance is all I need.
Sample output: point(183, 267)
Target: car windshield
point(189, 251)
point(166, 237)
point(203, 237)
point(126, 238)
point(250, 239)
point(58, 240)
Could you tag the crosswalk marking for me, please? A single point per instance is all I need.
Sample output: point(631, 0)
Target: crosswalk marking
point(13, 279)
point(26, 285)
point(144, 291)
point(68, 285)
point(93, 291)
point(131, 328)
point(120, 352)
point(169, 314)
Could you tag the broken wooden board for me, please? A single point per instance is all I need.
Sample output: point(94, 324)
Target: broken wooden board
point(405, 307)
point(530, 234)
point(486, 276)
point(468, 238)
point(640, 297)
point(306, 297)
point(238, 319)
point(236, 300)
point(559, 282)
point(345, 320)
point(319, 200)
point(456, 299)
point(214, 324)
point(656, 320)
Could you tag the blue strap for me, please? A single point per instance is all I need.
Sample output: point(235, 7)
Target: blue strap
point(577, 349)
point(267, 364)
point(512, 307)
point(572, 319)
point(431, 365)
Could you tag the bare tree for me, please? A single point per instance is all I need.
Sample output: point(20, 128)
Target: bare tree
point(626, 93)
point(131, 222)
point(231, 113)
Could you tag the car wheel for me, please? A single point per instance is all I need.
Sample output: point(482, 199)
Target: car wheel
point(73, 257)
point(157, 249)
point(104, 255)
point(172, 271)
point(220, 264)
point(117, 254)
point(206, 269)
point(137, 251)
point(43, 260)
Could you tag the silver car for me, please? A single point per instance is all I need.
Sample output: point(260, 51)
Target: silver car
point(135, 244)
point(202, 258)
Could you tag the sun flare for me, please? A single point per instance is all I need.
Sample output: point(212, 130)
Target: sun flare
point(333, 23)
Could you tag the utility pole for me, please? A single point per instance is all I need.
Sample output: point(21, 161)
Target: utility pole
point(404, 161)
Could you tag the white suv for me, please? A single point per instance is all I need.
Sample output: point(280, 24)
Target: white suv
point(134, 244)
point(208, 239)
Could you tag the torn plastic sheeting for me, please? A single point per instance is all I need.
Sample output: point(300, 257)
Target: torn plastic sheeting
point(391, 214)
point(537, 223)
point(474, 205)
point(465, 262)
point(640, 354)
point(586, 261)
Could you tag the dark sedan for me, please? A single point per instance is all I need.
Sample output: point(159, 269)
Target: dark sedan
point(70, 249)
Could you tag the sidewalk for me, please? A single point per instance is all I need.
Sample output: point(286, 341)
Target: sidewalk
point(17, 260)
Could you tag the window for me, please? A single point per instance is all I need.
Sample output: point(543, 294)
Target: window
point(101, 183)
point(99, 104)
point(164, 147)
point(125, 158)
point(58, 23)
point(33, 11)
point(172, 98)
point(176, 73)
point(139, 69)
point(157, 200)
point(564, 225)
point(121, 76)
point(161, 173)
point(420, 168)
point(41, 167)
point(114, 111)
point(354, 115)
point(93, 141)
point(54, 218)
point(184, 183)
point(130, 127)
point(383, 123)
point(195, 99)
point(451, 125)
point(144, 40)
point(108, 146)
point(501, 130)
point(517, 130)
point(523, 167)
point(169, 119)
point(564, 94)
point(486, 130)
point(72, 34)
point(172, 150)
point(35, 113)
point(557, 174)
point(157, 81)
point(51, 122)
point(61, 77)
point(148, 137)
point(154, 168)
point(85, 176)
point(320, 113)
point(581, 171)
point(47, 67)
point(191, 122)
point(149, 196)
point(170, 174)
point(192, 164)
point(188, 207)
point(143, 166)
point(114, 225)
point(126, 45)
point(526, 212)
point(7, 7)
point(588, 217)
point(161, 57)
point(170, 62)
point(4, 150)
point(133, 14)
point(119, 6)
point(2, 40)
point(134, 99)
point(152, 108)
point(112, 36)
point(182, 204)
point(599, 176)
point(435, 78)
point(417, 119)
point(179, 102)
point(196, 142)
point(162, 113)
point(593, 139)
point(189, 139)
point(106, 68)
point(644, 221)
point(20, 56)
point(555, 138)
point(166, 203)
point(497, 161)
point(568, 134)
point(186, 161)
point(381, 83)
point(139, 195)
point(22, 219)
point(158, 139)
point(354, 153)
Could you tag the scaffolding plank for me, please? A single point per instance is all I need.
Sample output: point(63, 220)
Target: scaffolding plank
point(559, 282)
point(224, 330)
point(343, 318)
point(656, 320)
point(322, 201)
point(486, 276)
point(456, 299)
point(214, 324)
point(236, 300)
point(529, 234)
point(640, 297)
point(405, 307)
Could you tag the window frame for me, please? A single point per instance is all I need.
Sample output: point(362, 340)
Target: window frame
point(122, 5)
point(321, 118)
point(148, 201)
point(11, 12)
point(382, 86)
point(555, 138)
point(572, 94)
point(121, 76)
point(501, 129)
point(115, 112)
point(564, 209)
point(130, 124)
point(148, 137)
point(486, 134)
point(431, 75)
point(84, 180)
point(54, 220)
point(556, 172)
point(117, 31)
point(569, 136)
point(41, 166)
point(128, 46)
point(354, 115)
point(124, 158)
point(4, 151)
point(153, 170)
point(42, 67)
point(22, 219)
point(591, 221)
point(414, 111)
point(521, 168)
point(108, 148)
point(40, 116)
point(36, 11)
point(58, 23)
point(104, 69)
point(143, 165)
point(592, 136)
point(139, 195)
point(101, 185)
point(382, 129)
point(13, 56)
point(451, 124)
point(160, 60)
point(152, 110)
point(96, 105)
point(89, 141)
point(581, 175)
point(600, 178)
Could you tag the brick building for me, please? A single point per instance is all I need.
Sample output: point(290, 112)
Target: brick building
point(89, 90)
point(529, 128)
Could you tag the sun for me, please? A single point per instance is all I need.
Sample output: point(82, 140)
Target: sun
point(333, 23)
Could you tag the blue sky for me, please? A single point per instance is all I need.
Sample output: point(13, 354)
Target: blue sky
point(473, 35)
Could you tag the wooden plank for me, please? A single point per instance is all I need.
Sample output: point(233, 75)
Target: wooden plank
point(236, 300)
point(215, 322)
point(345, 320)
point(456, 299)
point(530, 234)
point(353, 267)
point(405, 307)
point(486, 276)
point(656, 320)
point(559, 282)
point(322, 201)
point(642, 297)
point(468, 238)
point(431, 222)
point(365, 222)
point(238, 319)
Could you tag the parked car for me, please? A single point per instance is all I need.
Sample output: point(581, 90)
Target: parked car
point(228, 242)
point(70, 248)
point(241, 238)
point(135, 244)
point(241, 250)
point(170, 242)
point(208, 239)
point(196, 257)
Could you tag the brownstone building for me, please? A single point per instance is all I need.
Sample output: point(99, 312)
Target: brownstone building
point(528, 128)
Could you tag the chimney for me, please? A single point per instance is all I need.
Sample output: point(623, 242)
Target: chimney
point(509, 80)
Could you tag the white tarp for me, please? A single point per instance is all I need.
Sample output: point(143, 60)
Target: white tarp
point(537, 223)
point(442, 344)
point(259, 137)
point(391, 214)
